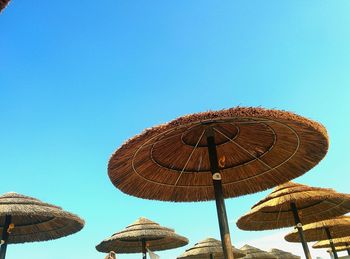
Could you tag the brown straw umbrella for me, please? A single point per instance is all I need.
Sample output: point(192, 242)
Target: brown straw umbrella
point(338, 242)
point(216, 155)
point(209, 248)
point(293, 204)
point(253, 252)
point(3, 4)
point(139, 236)
point(26, 219)
point(340, 249)
point(280, 254)
point(322, 230)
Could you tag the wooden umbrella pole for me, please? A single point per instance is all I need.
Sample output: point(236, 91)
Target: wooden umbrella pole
point(331, 243)
point(299, 226)
point(219, 197)
point(144, 252)
point(211, 256)
point(5, 236)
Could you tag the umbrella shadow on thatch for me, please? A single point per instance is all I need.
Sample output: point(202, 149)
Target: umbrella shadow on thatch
point(280, 254)
point(256, 253)
point(293, 204)
point(324, 230)
point(217, 155)
point(209, 248)
point(142, 234)
point(26, 219)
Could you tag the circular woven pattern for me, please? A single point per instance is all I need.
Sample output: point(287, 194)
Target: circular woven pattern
point(257, 149)
point(130, 239)
point(344, 241)
point(253, 252)
point(338, 227)
point(207, 247)
point(280, 254)
point(313, 204)
point(35, 220)
point(3, 4)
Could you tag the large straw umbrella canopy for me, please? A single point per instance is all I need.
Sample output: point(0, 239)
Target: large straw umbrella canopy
point(253, 252)
point(313, 204)
point(323, 230)
point(280, 254)
point(3, 4)
point(209, 248)
point(142, 234)
point(293, 204)
point(26, 219)
point(218, 154)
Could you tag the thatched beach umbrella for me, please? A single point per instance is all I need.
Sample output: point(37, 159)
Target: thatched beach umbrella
point(293, 204)
point(139, 236)
point(3, 4)
point(253, 252)
point(280, 254)
point(340, 249)
point(209, 248)
point(323, 230)
point(26, 219)
point(216, 155)
point(338, 242)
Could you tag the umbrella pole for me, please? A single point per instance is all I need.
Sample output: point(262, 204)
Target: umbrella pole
point(144, 252)
point(331, 243)
point(219, 197)
point(5, 236)
point(211, 256)
point(299, 226)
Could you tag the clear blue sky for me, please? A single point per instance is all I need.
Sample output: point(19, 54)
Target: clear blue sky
point(78, 78)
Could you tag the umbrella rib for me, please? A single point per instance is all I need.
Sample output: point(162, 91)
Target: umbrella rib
point(189, 158)
point(238, 145)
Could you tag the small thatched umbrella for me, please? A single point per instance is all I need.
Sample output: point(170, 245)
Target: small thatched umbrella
point(26, 219)
point(322, 230)
point(209, 248)
point(338, 242)
point(3, 4)
point(340, 249)
point(142, 234)
point(253, 252)
point(293, 204)
point(216, 155)
point(280, 254)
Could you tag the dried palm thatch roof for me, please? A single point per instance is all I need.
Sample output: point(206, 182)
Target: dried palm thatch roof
point(3, 4)
point(35, 220)
point(339, 249)
point(313, 204)
point(130, 239)
point(253, 252)
point(258, 149)
point(338, 227)
point(207, 247)
point(343, 241)
point(280, 254)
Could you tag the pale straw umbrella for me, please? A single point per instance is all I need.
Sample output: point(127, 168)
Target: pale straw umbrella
point(280, 254)
point(256, 253)
point(343, 242)
point(208, 248)
point(217, 155)
point(323, 230)
point(139, 236)
point(293, 204)
point(26, 219)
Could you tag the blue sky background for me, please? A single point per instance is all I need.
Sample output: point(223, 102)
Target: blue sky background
point(78, 78)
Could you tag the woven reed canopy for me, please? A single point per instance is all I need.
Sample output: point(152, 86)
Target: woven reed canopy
point(257, 149)
point(313, 204)
point(35, 220)
point(344, 241)
point(130, 239)
point(339, 249)
point(338, 227)
point(253, 252)
point(207, 247)
point(280, 254)
point(3, 4)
